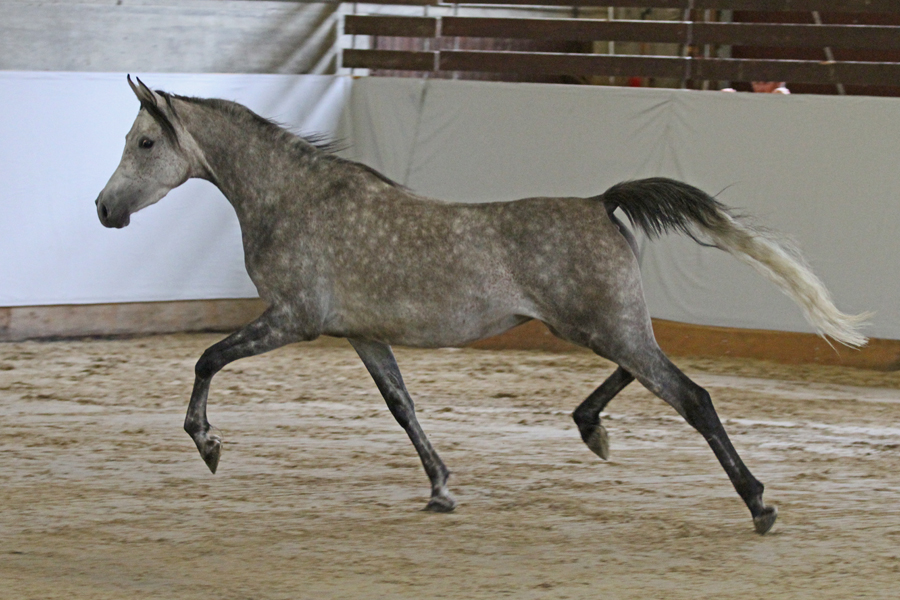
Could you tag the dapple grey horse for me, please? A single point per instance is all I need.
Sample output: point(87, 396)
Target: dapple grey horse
point(335, 248)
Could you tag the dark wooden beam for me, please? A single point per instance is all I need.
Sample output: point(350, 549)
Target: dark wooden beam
point(850, 6)
point(853, 6)
point(746, 34)
point(544, 63)
point(795, 71)
point(396, 60)
point(391, 26)
point(402, 2)
point(575, 30)
point(809, 36)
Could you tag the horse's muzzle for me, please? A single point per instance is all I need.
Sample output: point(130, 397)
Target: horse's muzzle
point(108, 217)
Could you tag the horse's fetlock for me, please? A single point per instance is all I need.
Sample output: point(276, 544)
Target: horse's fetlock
point(585, 418)
point(192, 428)
point(755, 489)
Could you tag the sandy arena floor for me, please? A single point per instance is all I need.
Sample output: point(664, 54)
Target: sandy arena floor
point(319, 492)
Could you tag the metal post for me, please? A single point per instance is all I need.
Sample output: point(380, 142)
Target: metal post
point(829, 55)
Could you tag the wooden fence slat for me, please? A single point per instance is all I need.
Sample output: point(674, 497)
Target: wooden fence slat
point(798, 71)
point(880, 37)
point(746, 34)
point(391, 26)
point(395, 60)
point(542, 63)
point(399, 2)
point(853, 6)
point(575, 30)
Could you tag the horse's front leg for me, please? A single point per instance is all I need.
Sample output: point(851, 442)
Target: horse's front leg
point(380, 361)
point(267, 332)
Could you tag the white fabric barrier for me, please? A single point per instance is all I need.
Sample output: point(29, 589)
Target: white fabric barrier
point(818, 168)
point(63, 135)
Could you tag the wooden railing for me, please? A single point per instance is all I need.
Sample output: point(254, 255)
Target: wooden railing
point(847, 6)
point(685, 65)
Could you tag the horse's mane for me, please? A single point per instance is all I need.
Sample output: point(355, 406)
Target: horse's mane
point(320, 143)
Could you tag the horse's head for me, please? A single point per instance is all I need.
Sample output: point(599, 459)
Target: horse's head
point(156, 159)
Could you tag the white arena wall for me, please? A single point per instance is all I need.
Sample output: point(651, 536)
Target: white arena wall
point(819, 168)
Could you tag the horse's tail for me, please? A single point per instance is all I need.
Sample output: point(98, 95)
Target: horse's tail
point(659, 205)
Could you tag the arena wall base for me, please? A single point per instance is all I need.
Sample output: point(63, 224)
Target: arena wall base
point(126, 319)
point(684, 339)
point(676, 339)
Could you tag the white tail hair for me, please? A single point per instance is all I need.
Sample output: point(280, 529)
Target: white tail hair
point(781, 263)
point(658, 205)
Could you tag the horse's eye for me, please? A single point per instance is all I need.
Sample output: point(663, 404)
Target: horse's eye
point(145, 143)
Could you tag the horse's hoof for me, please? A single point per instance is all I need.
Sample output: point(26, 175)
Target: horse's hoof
point(763, 521)
point(210, 451)
point(598, 442)
point(441, 504)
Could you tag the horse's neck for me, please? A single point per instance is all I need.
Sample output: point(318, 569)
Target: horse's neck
point(248, 164)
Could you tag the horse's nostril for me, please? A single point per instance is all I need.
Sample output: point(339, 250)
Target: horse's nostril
point(103, 212)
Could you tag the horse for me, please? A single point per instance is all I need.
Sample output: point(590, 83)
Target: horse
point(336, 248)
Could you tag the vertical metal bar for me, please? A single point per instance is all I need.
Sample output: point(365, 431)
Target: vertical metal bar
point(829, 55)
point(724, 51)
point(611, 45)
point(427, 47)
point(706, 48)
point(688, 40)
point(353, 40)
point(456, 38)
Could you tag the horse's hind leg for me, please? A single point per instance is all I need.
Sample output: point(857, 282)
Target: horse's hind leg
point(261, 335)
point(381, 364)
point(660, 376)
point(587, 415)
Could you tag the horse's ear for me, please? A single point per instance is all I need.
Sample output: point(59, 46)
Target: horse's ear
point(143, 93)
point(150, 102)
